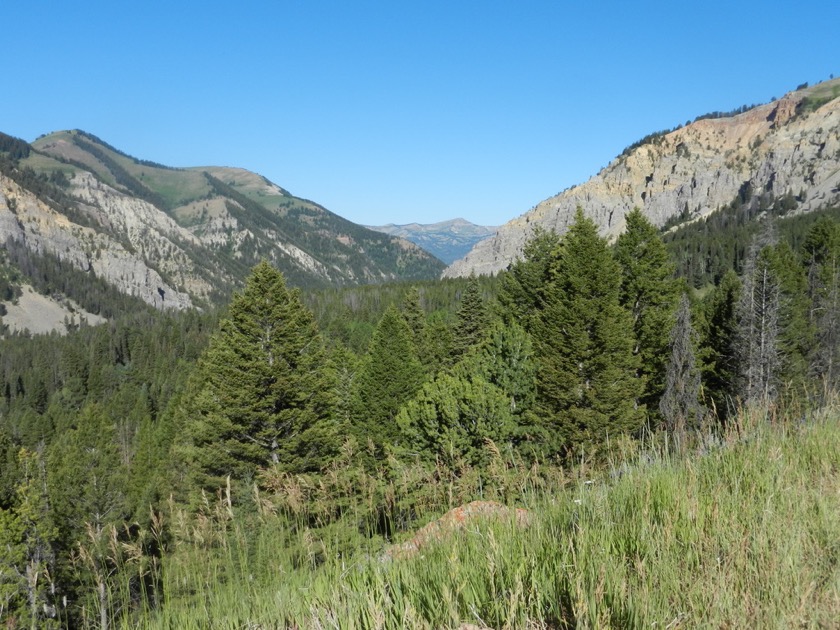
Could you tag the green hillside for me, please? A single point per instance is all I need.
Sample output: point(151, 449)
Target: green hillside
point(346, 252)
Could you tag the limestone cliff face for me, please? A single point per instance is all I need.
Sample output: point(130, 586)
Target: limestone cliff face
point(26, 219)
point(700, 167)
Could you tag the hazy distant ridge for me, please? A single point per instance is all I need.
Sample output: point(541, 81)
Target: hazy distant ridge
point(446, 240)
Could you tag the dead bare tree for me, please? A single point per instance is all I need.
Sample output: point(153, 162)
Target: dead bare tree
point(758, 329)
point(680, 402)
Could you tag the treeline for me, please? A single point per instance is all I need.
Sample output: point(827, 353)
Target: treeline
point(301, 417)
point(49, 275)
point(705, 249)
point(137, 161)
point(121, 176)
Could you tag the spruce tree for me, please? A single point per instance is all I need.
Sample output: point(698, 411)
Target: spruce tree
point(472, 320)
point(587, 382)
point(718, 339)
point(390, 376)
point(650, 292)
point(262, 392)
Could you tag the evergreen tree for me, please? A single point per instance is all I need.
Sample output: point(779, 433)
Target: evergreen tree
point(821, 254)
point(487, 396)
point(412, 311)
point(440, 341)
point(587, 381)
point(522, 283)
point(718, 352)
point(758, 328)
point(796, 336)
point(650, 293)
point(27, 560)
point(453, 416)
point(472, 320)
point(87, 489)
point(262, 393)
point(390, 376)
point(680, 403)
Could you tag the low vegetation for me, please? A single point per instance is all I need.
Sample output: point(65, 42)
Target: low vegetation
point(740, 531)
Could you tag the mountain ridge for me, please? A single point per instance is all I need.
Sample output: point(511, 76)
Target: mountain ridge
point(180, 237)
point(787, 147)
point(447, 240)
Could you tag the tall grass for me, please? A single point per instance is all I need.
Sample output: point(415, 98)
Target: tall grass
point(743, 534)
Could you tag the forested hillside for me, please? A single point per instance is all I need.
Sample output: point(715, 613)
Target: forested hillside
point(86, 224)
point(163, 469)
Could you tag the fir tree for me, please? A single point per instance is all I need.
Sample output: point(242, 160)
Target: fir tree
point(718, 352)
point(412, 312)
point(521, 284)
point(821, 254)
point(587, 380)
point(796, 336)
point(262, 393)
point(390, 376)
point(650, 293)
point(472, 319)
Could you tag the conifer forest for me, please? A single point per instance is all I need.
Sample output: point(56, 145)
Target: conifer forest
point(267, 464)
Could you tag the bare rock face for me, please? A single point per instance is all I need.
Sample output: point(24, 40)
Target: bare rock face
point(26, 219)
point(701, 167)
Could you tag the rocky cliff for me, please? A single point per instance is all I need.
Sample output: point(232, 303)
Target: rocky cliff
point(176, 238)
point(789, 146)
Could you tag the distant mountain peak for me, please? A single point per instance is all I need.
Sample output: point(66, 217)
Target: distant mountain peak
point(446, 240)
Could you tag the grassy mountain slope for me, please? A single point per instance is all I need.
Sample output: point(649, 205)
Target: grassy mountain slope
point(740, 534)
point(181, 237)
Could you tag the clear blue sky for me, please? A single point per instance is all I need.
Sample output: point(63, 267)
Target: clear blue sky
point(400, 111)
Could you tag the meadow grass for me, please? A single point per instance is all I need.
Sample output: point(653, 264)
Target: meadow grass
point(745, 533)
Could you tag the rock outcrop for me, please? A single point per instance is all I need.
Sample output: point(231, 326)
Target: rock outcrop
point(26, 219)
point(456, 520)
point(777, 148)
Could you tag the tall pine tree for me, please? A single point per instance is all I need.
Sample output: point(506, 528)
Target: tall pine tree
point(262, 392)
point(471, 325)
point(587, 382)
point(718, 348)
point(390, 376)
point(650, 292)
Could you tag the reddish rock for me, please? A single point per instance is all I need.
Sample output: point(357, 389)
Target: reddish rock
point(454, 520)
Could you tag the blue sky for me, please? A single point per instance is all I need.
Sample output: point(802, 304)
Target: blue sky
point(400, 111)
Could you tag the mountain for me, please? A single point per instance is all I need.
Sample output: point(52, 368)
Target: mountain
point(789, 149)
point(447, 240)
point(169, 237)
